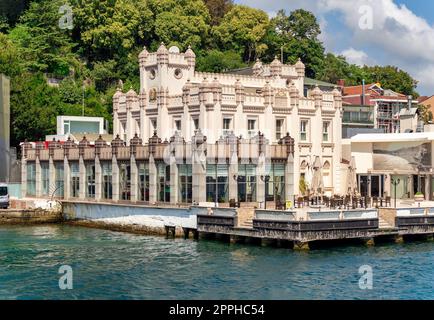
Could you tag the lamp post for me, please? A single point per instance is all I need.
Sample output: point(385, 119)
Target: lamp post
point(265, 179)
point(395, 183)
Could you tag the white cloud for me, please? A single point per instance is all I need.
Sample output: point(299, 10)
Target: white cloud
point(357, 57)
point(398, 37)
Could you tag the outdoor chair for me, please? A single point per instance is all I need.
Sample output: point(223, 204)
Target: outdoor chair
point(326, 201)
point(375, 202)
point(233, 203)
point(388, 202)
point(300, 202)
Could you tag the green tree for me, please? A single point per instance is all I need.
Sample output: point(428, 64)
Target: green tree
point(34, 107)
point(218, 61)
point(104, 74)
point(243, 29)
point(297, 36)
point(108, 29)
point(392, 78)
point(45, 46)
point(11, 62)
point(218, 9)
point(180, 22)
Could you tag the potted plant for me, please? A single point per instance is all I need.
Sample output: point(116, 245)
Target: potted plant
point(419, 197)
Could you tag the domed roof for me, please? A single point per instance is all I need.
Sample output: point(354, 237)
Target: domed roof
point(100, 142)
point(258, 64)
point(276, 62)
point(131, 93)
point(144, 53)
point(136, 141)
point(118, 93)
point(84, 143)
point(162, 49)
point(316, 91)
point(190, 53)
point(299, 64)
point(117, 142)
point(336, 92)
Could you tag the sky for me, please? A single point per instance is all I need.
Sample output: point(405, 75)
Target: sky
point(383, 32)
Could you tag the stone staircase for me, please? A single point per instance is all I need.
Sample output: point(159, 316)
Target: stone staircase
point(245, 218)
point(247, 224)
point(383, 224)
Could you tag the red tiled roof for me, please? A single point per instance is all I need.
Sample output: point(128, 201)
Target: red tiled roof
point(354, 90)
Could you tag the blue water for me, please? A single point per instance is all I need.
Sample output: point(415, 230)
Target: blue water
point(110, 265)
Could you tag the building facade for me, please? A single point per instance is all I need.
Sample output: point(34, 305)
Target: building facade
point(370, 108)
point(383, 160)
point(249, 171)
point(175, 98)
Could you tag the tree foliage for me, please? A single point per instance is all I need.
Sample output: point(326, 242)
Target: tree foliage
point(296, 36)
point(243, 29)
point(219, 61)
point(108, 35)
point(218, 9)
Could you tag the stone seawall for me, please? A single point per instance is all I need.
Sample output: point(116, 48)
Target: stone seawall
point(130, 228)
point(139, 219)
point(29, 216)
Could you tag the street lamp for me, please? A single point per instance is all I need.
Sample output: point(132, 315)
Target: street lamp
point(265, 179)
point(395, 183)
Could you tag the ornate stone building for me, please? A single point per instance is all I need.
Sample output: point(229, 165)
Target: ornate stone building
point(193, 137)
point(174, 97)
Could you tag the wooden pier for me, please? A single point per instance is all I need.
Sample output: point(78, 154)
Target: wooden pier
point(286, 226)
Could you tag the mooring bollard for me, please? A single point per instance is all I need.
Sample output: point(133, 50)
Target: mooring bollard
point(170, 231)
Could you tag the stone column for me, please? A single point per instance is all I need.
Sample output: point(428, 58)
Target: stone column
point(51, 177)
point(134, 179)
point(174, 181)
point(289, 179)
point(115, 179)
point(427, 187)
point(233, 171)
point(66, 179)
point(98, 179)
point(198, 170)
point(82, 177)
point(23, 178)
point(260, 183)
point(152, 180)
point(387, 185)
point(38, 172)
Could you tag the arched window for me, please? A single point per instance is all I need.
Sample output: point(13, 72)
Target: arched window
point(326, 172)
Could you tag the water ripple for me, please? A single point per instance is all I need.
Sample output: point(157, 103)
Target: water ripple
point(111, 265)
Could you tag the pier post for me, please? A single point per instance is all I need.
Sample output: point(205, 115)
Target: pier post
point(301, 246)
point(233, 239)
point(399, 239)
point(170, 231)
point(369, 242)
point(268, 242)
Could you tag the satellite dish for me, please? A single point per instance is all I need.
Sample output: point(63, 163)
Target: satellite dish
point(174, 49)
